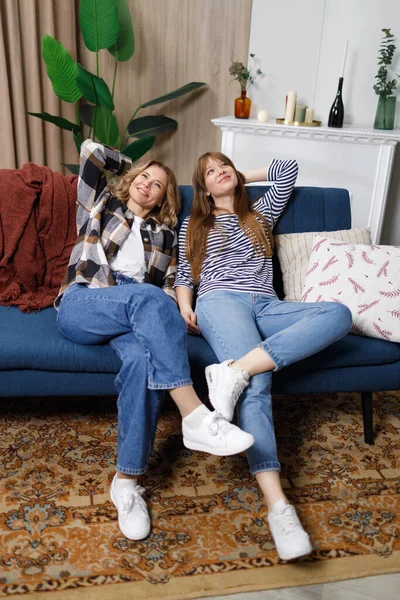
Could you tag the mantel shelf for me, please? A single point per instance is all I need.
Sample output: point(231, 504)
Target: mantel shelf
point(359, 159)
point(327, 134)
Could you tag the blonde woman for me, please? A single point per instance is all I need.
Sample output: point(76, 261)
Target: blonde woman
point(225, 255)
point(118, 289)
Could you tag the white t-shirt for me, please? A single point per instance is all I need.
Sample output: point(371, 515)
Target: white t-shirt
point(130, 258)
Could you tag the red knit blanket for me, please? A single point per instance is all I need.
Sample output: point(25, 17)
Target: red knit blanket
point(37, 233)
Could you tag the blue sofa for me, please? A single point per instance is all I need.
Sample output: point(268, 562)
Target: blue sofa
point(36, 360)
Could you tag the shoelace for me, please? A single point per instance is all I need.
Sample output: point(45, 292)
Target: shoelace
point(218, 423)
point(237, 388)
point(286, 520)
point(132, 498)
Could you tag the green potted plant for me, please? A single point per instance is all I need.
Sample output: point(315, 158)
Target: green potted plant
point(245, 77)
point(384, 88)
point(104, 25)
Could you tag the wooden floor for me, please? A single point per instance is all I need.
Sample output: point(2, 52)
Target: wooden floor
point(380, 587)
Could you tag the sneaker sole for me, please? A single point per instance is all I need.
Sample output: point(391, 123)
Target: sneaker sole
point(214, 403)
point(210, 384)
point(138, 536)
point(307, 552)
point(216, 451)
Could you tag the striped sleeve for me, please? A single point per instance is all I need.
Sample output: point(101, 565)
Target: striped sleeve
point(283, 174)
point(94, 160)
point(184, 273)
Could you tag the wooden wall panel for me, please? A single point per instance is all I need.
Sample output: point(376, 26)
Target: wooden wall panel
point(178, 41)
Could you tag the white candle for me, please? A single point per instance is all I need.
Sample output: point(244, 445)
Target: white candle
point(290, 106)
point(344, 58)
point(300, 113)
point(309, 115)
point(263, 116)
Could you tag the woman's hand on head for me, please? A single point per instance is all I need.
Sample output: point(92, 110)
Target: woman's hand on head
point(260, 174)
point(190, 318)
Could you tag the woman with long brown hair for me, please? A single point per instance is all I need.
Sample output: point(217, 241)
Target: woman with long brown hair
point(225, 255)
point(118, 289)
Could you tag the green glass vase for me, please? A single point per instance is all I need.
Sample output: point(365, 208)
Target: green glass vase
point(385, 112)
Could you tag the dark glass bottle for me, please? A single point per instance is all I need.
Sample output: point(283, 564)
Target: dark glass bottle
point(336, 113)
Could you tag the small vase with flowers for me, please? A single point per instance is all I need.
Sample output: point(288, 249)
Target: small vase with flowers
point(245, 77)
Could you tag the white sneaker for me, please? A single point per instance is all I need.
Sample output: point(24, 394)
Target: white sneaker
point(225, 386)
point(216, 436)
point(133, 516)
point(290, 539)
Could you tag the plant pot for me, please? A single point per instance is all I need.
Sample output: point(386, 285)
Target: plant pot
point(242, 106)
point(385, 112)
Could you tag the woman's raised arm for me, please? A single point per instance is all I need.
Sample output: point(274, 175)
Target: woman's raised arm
point(282, 174)
point(95, 158)
point(260, 174)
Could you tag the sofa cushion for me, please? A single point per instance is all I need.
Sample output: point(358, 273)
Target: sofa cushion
point(366, 278)
point(309, 209)
point(351, 351)
point(33, 341)
point(294, 251)
point(200, 352)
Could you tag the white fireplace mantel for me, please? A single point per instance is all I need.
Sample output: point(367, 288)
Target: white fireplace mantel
point(358, 159)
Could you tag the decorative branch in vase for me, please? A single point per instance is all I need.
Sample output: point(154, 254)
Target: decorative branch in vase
point(245, 77)
point(386, 109)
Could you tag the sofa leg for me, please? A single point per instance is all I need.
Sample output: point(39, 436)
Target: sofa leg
point(366, 401)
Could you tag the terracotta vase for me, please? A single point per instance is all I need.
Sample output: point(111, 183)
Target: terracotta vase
point(242, 106)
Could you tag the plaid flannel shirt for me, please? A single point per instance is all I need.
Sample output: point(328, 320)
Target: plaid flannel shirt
point(104, 223)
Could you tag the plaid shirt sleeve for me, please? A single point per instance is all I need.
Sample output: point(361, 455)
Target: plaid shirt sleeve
point(94, 160)
point(169, 279)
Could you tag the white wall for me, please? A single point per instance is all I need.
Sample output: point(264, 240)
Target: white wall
point(299, 46)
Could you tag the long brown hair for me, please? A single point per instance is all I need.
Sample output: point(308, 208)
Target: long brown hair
point(202, 218)
point(168, 211)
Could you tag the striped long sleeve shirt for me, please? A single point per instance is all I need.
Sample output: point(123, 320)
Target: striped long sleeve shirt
point(231, 262)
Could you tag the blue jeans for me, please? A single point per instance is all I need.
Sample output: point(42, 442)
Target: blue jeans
point(144, 327)
point(233, 323)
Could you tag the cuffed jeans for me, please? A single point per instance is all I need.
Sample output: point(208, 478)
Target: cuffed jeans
point(233, 323)
point(143, 326)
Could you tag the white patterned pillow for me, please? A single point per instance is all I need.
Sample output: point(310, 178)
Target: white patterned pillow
point(294, 251)
point(366, 278)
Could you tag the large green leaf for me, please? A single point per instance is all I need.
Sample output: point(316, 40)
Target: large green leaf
point(145, 126)
point(136, 149)
point(94, 88)
point(124, 47)
point(59, 121)
point(106, 127)
point(185, 89)
point(98, 20)
point(77, 139)
point(86, 114)
point(61, 69)
point(73, 168)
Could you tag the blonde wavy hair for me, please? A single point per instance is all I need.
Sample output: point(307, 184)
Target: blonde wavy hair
point(202, 218)
point(168, 211)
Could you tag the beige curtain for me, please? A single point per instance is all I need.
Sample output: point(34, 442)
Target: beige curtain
point(176, 41)
point(26, 87)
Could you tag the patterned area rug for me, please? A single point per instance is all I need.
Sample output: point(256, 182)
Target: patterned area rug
point(58, 529)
